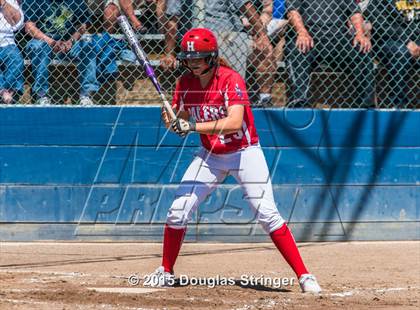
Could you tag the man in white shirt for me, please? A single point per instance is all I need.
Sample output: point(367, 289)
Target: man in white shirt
point(11, 78)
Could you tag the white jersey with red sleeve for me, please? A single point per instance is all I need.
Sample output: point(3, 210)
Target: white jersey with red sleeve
point(210, 103)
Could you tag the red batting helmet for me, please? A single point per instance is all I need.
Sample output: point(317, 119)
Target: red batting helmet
point(198, 43)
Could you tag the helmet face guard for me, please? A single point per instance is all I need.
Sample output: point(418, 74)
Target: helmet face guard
point(195, 55)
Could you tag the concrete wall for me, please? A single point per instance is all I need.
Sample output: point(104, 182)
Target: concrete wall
point(111, 173)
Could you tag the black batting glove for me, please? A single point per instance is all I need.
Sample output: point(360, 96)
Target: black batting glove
point(182, 127)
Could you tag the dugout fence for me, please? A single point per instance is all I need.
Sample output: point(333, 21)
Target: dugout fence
point(334, 73)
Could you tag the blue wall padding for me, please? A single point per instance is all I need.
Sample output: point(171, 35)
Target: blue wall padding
point(337, 175)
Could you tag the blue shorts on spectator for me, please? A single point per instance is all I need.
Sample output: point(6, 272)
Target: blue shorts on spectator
point(11, 74)
point(41, 55)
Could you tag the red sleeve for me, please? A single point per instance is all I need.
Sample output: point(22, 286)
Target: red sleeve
point(176, 99)
point(236, 91)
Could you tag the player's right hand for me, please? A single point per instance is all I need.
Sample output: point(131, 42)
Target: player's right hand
point(168, 62)
point(165, 118)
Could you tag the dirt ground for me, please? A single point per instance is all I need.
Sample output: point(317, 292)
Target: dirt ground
point(356, 275)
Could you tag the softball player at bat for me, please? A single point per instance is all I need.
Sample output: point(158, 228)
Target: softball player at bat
point(215, 98)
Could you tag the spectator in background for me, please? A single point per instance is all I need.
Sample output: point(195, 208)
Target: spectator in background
point(367, 25)
point(276, 28)
point(113, 9)
point(56, 27)
point(108, 48)
point(262, 58)
point(278, 22)
point(11, 77)
point(160, 15)
point(396, 37)
point(223, 18)
point(320, 33)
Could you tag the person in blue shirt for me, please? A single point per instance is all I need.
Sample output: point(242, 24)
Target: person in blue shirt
point(56, 28)
point(278, 20)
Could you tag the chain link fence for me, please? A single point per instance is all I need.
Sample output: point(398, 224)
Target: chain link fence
point(294, 53)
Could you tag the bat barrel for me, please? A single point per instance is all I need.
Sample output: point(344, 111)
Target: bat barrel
point(135, 46)
point(142, 58)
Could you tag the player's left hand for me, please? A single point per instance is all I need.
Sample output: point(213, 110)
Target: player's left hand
point(182, 127)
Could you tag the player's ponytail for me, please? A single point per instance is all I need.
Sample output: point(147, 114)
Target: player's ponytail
point(223, 62)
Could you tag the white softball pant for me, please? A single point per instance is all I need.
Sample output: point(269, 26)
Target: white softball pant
point(247, 166)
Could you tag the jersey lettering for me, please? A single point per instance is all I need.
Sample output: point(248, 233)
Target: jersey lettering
point(238, 135)
point(213, 102)
point(214, 112)
point(224, 140)
point(195, 113)
point(207, 113)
